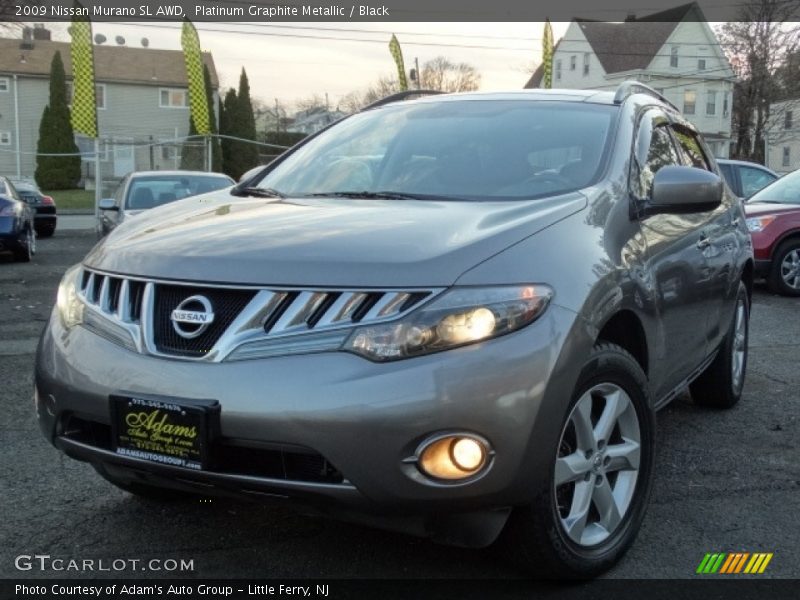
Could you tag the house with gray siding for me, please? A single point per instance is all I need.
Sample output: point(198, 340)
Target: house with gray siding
point(142, 99)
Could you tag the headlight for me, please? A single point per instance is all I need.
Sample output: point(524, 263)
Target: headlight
point(70, 307)
point(459, 317)
point(758, 223)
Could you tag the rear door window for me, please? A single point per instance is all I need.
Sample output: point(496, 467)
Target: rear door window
point(691, 148)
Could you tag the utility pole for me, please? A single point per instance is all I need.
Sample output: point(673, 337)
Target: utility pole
point(416, 66)
point(277, 117)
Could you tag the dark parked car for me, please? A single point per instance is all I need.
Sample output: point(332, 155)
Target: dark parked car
point(773, 218)
point(456, 316)
point(45, 216)
point(144, 190)
point(745, 178)
point(17, 232)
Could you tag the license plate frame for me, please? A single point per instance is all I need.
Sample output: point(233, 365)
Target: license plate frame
point(164, 430)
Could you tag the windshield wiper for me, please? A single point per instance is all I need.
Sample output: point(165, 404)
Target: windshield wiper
point(257, 192)
point(387, 195)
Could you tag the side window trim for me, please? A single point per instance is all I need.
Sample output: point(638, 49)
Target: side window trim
point(652, 118)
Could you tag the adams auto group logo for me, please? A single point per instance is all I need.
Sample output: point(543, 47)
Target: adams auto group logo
point(732, 563)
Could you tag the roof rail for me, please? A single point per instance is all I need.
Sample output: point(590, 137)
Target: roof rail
point(628, 88)
point(401, 96)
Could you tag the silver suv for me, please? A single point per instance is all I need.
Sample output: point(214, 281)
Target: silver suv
point(455, 316)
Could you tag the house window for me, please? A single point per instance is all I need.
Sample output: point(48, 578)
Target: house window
point(558, 70)
point(573, 62)
point(5, 84)
point(725, 97)
point(99, 94)
point(787, 120)
point(711, 102)
point(786, 156)
point(586, 63)
point(5, 138)
point(689, 101)
point(673, 57)
point(701, 64)
point(173, 98)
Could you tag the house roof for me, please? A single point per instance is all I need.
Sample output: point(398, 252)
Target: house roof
point(113, 64)
point(641, 39)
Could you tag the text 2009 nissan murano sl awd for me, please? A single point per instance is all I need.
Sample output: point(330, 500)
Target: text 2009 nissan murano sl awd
point(455, 316)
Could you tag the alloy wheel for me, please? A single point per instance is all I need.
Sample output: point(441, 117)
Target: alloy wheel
point(597, 465)
point(790, 269)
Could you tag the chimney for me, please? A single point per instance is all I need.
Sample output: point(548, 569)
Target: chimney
point(27, 39)
point(630, 18)
point(40, 32)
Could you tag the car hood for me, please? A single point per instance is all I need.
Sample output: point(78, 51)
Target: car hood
point(322, 241)
point(765, 208)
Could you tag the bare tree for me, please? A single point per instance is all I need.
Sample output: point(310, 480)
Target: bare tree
point(311, 102)
point(438, 74)
point(758, 45)
point(444, 75)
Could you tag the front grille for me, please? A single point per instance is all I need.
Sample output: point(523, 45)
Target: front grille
point(226, 305)
point(291, 463)
point(249, 322)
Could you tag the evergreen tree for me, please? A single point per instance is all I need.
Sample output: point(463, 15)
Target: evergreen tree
point(227, 116)
point(56, 137)
point(247, 154)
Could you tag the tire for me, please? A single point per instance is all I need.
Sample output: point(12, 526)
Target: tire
point(537, 535)
point(27, 247)
point(784, 274)
point(46, 232)
point(145, 492)
point(721, 384)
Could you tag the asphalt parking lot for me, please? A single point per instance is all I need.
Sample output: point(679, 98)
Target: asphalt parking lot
point(726, 481)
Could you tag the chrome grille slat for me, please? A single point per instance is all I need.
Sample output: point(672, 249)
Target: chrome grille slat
point(105, 301)
point(274, 318)
point(342, 309)
point(386, 306)
point(298, 312)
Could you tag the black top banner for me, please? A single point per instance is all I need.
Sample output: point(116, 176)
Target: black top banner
point(260, 11)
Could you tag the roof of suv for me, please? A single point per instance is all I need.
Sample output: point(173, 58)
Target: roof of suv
point(561, 95)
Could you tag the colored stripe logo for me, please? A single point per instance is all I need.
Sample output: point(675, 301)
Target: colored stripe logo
point(731, 563)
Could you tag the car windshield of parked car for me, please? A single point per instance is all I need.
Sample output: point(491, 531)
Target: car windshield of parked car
point(152, 191)
point(453, 149)
point(785, 190)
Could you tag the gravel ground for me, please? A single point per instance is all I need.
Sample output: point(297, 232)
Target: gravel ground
point(726, 481)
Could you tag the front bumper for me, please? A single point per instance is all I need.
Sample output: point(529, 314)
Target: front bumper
point(364, 418)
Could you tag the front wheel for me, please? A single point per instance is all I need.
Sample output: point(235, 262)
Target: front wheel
point(588, 508)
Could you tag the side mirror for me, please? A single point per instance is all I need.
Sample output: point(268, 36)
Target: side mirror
point(108, 204)
point(685, 190)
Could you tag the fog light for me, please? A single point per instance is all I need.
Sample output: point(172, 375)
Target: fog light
point(453, 457)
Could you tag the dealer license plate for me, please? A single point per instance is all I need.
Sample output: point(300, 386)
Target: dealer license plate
point(164, 430)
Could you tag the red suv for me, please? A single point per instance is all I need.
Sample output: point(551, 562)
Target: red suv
point(773, 218)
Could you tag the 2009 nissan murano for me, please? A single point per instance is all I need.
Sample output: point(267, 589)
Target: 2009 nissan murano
point(454, 316)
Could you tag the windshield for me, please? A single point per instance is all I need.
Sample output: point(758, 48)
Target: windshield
point(465, 149)
point(152, 191)
point(785, 190)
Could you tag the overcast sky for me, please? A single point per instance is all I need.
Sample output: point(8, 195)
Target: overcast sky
point(290, 68)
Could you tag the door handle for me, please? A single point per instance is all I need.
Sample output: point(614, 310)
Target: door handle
point(703, 243)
